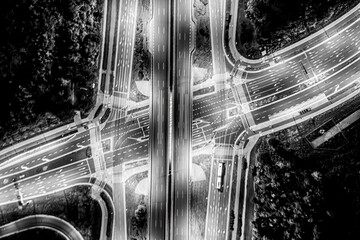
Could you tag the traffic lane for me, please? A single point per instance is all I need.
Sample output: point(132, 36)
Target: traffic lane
point(218, 204)
point(139, 150)
point(210, 98)
point(45, 166)
point(158, 207)
point(114, 41)
point(277, 96)
point(207, 114)
point(126, 30)
point(182, 133)
point(126, 124)
point(335, 70)
point(45, 181)
point(339, 43)
point(132, 145)
point(47, 149)
point(320, 38)
point(120, 231)
point(352, 75)
point(277, 72)
point(109, 17)
point(206, 132)
point(207, 135)
point(334, 50)
point(262, 114)
point(229, 135)
point(339, 46)
point(110, 37)
point(128, 138)
point(336, 57)
point(61, 150)
point(348, 75)
point(219, 65)
point(291, 53)
point(181, 206)
point(114, 123)
point(158, 122)
point(119, 134)
point(219, 105)
point(295, 79)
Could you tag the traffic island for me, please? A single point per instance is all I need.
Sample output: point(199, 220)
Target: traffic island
point(202, 59)
point(137, 202)
point(198, 198)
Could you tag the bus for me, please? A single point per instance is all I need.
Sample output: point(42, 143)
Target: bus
point(220, 176)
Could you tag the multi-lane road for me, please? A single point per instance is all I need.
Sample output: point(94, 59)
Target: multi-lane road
point(182, 120)
point(324, 65)
point(159, 119)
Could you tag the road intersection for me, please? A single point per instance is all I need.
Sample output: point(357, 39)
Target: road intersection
point(267, 94)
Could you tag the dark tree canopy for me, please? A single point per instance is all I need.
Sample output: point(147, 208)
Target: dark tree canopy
point(48, 58)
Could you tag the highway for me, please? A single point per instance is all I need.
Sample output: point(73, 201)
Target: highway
point(182, 120)
point(323, 67)
point(159, 118)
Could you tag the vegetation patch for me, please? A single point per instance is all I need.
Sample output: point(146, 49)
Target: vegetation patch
point(48, 64)
point(141, 68)
point(198, 198)
point(38, 234)
point(137, 208)
point(202, 56)
point(232, 196)
point(306, 193)
point(267, 26)
point(74, 205)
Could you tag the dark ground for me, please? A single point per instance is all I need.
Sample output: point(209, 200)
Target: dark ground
point(272, 25)
point(48, 63)
point(310, 193)
point(36, 234)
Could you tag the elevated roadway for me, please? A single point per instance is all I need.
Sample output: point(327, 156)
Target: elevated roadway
point(159, 118)
point(182, 120)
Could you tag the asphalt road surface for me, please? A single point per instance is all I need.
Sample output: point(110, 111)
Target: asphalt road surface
point(159, 119)
point(326, 64)
point(217, 213)
point(182, 120)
